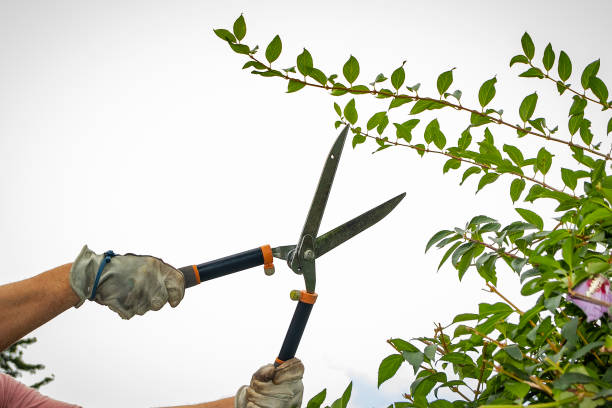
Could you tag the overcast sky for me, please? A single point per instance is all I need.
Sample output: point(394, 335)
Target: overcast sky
point(128, 125)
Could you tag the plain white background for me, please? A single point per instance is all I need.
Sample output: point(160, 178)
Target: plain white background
point(128, 125)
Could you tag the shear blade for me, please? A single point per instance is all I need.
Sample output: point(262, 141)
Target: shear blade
point(349, 229)
point(319, 201)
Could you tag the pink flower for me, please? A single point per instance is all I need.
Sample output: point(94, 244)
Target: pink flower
point(596, 287)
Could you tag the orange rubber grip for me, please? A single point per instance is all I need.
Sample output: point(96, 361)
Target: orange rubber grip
point(196, 273)
point(307, 297)
point(267, 256)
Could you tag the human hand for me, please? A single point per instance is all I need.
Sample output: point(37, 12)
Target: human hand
point(271, 387)
point(129, 284)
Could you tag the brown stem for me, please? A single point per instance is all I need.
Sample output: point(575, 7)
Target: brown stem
point(447, 103)
point(481, 165)
point(497, 250)
point(494, 290)
point(589, 299)
point(568, 88)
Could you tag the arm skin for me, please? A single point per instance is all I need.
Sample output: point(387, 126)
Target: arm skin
point(30, 303)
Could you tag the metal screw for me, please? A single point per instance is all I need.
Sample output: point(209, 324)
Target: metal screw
point(309, 255)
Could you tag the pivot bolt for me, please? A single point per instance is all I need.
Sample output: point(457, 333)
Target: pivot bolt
point(309, 255)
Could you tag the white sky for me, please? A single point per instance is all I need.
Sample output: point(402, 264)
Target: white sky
point(128, 125)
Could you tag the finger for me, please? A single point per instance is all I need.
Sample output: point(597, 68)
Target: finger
point(174, 283)
point(265, 373)
point(266, 401)
point(285, 390)
point(290, 370)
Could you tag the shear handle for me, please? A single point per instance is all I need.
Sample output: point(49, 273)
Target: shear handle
point(296, 327)
point(195, 274)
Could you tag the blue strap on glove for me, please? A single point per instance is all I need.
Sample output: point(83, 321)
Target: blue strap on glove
point(107, 258)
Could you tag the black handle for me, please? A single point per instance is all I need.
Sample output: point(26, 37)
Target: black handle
point(195, 274)
point(295, 330)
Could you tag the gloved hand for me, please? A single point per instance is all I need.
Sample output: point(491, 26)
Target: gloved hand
point(271, 387)
point(129, 284)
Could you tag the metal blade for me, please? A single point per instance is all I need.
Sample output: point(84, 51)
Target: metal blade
point(313, 220)
point(349, 229)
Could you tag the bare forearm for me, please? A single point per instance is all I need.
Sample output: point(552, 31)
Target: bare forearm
point(30, 303)
point(222, 403)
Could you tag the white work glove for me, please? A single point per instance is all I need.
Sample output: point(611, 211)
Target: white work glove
point(271, 387)
point(129, 284)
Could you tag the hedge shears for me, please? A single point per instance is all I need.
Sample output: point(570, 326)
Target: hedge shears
point(301, 256)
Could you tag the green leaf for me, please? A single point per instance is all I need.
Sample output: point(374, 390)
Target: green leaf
point(569, 178)
point(397, 77)
point(338, 109)
point(567, 251)
point(239, 48)
point(350, 112)
point(599, 89)
point(225, 35)
point(358, 139)
point(379, 78)
point(585, 131)
point(609, 129)
point(478, 119)
point(304, 62)
point(445, 80)
point(574, 123)
point(586, 349)
point(294, 86)
point(487, 92)
point(240, 28)
point(589, 72)
point(569, 332)
point(414, 358)
point(549, 57)
point(351, 69)
point(469, 172)
point(375, 120)
point(543, 160)
point(396, 102)
point(457, 358)
point(343, 401)
point(448, 253)
point(517, 389)
point(430, 351)
point(388, 367)
point(465, 317)
point(317, 400)
point(274, 49)
point(578, 106)
point(519, 59)
point(565, 66)
point(254, 64)
point(433, 133)
point(451, 164)
point(571, 378)
point(532, 73)
point(528, 106)
point(528, 47)
point(339, 89)
point(514, 351)
point(516, 188)
point(515, 154)
point(437, 237)
point(318, 76)
point(359, 89)
point(531, 217)
point(425, 104)
point(487, 179)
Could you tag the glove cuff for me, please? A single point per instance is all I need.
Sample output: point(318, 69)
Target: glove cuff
point(83, 273)
point(240, 399)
